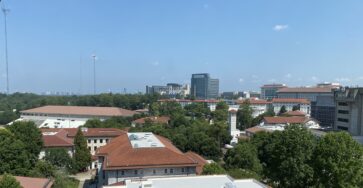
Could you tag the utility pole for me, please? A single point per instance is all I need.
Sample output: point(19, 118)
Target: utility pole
point(94, 74)
point(6, 11)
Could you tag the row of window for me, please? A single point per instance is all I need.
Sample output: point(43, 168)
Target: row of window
point(171, 171)
point(95, 140)
point(343, 111)
point(343, 120)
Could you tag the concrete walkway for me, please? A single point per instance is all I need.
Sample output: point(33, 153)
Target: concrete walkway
point(83, 178)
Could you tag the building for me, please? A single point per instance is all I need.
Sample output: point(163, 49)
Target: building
point(301, 104)
point(210, 181)
point(321, 98)
point(171, 90)
point(279, 122)
point(211, 104)
point(70, 116)
point(28, 182)
point(229, 95)
point(259, 106)
point(349, 110)
point(204, 87)
point(153, 119)
point(144, 155)
point(269, 91)
point(63, 138)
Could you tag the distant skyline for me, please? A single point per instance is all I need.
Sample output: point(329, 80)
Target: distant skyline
point(243, 43)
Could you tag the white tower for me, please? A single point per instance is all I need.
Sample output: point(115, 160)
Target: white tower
point(232, 121)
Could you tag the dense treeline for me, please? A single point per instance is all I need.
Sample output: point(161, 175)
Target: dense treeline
point(190, 129)
point(295, 158)
point(20, 146)
point(10, 105)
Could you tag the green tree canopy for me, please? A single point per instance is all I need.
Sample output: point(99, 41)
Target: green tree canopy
point(244, 116)
point(9, 181)
point(58, 157)
point(288, 157)
point(282, 109)
point(338, 161)
point(30, 135)
point(243, 156)
point(212, 169)
point(82, 156)
point(14, 157)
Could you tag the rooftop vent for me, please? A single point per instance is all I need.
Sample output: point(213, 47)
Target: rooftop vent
point(133, 137)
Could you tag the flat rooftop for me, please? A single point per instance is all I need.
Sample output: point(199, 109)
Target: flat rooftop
point(144, 140)
point(213, 181)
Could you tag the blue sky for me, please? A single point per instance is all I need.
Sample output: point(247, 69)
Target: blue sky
point(243, 43)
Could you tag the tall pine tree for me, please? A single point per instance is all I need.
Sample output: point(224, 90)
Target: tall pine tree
point(82, 156)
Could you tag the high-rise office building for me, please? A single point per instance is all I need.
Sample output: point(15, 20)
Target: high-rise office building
point(204, 87)
point(269, 91)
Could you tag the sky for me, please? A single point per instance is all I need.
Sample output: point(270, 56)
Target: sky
point(244, 43)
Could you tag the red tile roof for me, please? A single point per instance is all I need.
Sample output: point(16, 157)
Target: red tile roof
point(27, 182)
point(290, 100)
point(253, 101)
point(64, 137)
point(295, 113)
point(119, 154)
point(285, 120)
point(201, 161)
point(187, 100)
point(306, 90)
point(81, 110)
point(154, 119)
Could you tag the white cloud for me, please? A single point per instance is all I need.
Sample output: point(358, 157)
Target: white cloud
point(360, 78)
point(155, 63)
point(241, 80)
point(288, 76)
point(342, 79)
point(280, 27)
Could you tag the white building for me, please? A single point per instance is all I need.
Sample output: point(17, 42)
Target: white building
point(212, 181)
point(70, 116)
point(211, 104)
point(63, 138)
point(144, 155)
point(279, 122)
point(302, 104)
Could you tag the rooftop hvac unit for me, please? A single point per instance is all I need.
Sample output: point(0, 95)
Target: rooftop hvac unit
point(133, 137)
point(153, 144)
point(230, 185)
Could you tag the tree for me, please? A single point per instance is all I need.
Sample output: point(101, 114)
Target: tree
point(9, 181)
point(296, 107)
point(43, 169)
point(58, 157)
point(243, 156)
point(213, 168)
point(30, 135)
point(82, 156)
point(14, 157)
point(338, 161)
point(282, 109)
point(221, 112)
point(289, 156)
point(244, 115)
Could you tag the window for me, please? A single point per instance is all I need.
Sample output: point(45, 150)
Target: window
point(106, 140)
point(165, 171)
point(95, 148)
point(95, 165)
point(89, 141)
point(135, 172)
point(95, 141)
point(89, 148)
point(171, 171)
point(183, 170)
point(343, 120)
point(154, 171)
point(343, 104)
point(101, 140)
point(343, 111)
point(343, 128)
point(122, 172)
